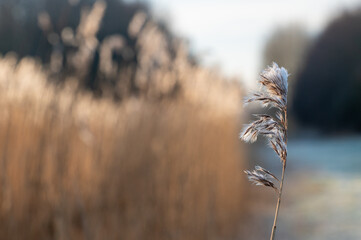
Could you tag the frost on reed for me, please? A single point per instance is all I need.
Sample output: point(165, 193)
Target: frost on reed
point(273, 93)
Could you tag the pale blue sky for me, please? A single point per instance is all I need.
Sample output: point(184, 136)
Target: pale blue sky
point(232, 33)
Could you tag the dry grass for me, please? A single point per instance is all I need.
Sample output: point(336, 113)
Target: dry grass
point(164, 165)
point(75, 167)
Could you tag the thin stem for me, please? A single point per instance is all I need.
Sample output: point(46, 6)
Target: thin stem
point(278, 202)
point(281, 184)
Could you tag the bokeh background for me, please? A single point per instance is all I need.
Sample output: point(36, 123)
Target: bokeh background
point(120, 119)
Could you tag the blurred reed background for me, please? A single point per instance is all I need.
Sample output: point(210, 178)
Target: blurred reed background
point(142, 148)
point(114, 126)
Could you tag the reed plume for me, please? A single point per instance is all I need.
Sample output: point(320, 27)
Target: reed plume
point(273, 93)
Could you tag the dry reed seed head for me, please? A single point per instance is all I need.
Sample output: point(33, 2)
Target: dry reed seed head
point(280, 118)
point(44, 21)
point(277, 143)
point(274, 93)
point(266, 100)
point(137, 23)
point(261, 169)
point(274, 88)
point(67, 36)
point(265, 125)
point(90, 20)
point(274, 79)
point(113, 43)
point(260, 179)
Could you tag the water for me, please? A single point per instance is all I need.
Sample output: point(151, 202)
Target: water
point(338, 154)
point(322, 194)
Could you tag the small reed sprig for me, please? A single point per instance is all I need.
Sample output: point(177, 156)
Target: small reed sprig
point(273, 93)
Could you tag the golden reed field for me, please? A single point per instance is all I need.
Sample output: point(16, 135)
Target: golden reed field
point(73, 166)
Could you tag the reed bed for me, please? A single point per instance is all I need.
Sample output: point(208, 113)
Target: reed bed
point(77, 167)
point(162, 162)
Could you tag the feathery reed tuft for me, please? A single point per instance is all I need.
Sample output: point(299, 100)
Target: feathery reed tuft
point(273, 93)
point(261, 179)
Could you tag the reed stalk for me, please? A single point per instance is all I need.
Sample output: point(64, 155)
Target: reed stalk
point(273, 93)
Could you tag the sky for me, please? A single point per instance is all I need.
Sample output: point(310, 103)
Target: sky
point(231, 34)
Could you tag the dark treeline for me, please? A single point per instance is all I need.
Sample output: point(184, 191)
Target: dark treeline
point(54, 32)
point(328, 91)
point(20, 31)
